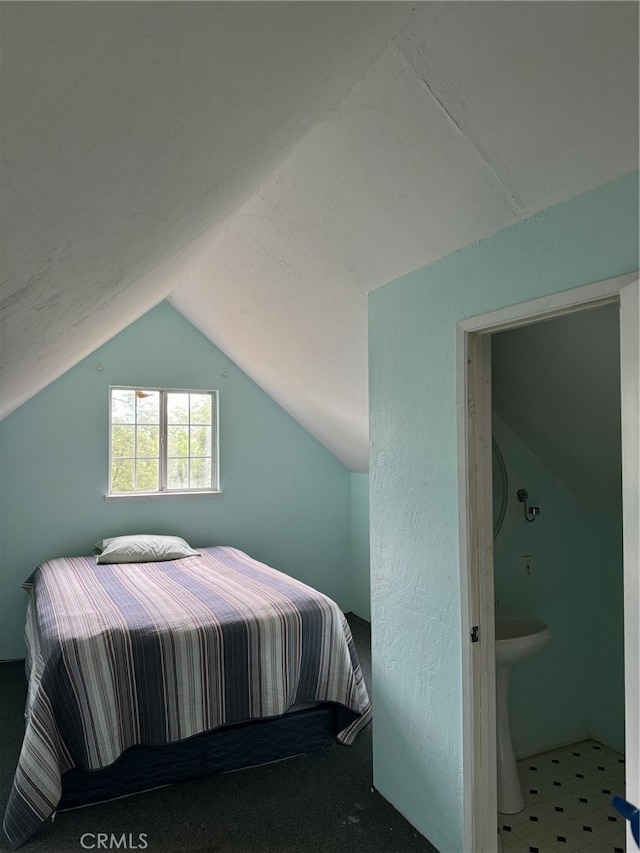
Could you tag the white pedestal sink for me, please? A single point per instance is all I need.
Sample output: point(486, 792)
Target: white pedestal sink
point(517, 638)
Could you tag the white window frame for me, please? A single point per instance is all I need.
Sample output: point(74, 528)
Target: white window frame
point(163, 491)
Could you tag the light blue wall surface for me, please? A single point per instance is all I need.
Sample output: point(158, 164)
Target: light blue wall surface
point(415, 565)
point(286, 498)
point(606, 679)
point(360, 568)
point(574, 688)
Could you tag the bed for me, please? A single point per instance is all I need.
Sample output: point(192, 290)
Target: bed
point(143, 673)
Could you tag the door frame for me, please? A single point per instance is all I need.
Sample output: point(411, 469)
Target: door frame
point(476, 537)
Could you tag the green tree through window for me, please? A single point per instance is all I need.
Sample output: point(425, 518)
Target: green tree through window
point(162, 441)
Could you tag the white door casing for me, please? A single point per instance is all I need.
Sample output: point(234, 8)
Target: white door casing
point(630, 416)
point(476, 537)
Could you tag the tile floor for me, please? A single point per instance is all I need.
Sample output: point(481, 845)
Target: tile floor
point(567, 794)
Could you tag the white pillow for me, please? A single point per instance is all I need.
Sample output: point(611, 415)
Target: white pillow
point(143, 548)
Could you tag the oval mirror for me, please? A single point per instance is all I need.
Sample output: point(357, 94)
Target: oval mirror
point(500, 489)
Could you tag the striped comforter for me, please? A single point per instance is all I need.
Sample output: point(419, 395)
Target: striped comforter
point(152, 653)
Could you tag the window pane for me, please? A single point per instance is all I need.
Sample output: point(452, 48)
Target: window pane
point(148, 440)
point(144, 443)
point(200, 474)
point(122, 475)
point(200, 408)
point(122, 440)
point(147, 475)
point(177, 441)
point(123, 406)
point(177, 473)
point(177, 408)
point(200, 440)
point(148, 407)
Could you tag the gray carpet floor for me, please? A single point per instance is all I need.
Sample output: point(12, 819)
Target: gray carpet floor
point(318, 803)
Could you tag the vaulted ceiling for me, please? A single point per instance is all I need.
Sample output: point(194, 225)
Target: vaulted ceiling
point(264, 165)
point(556, 384)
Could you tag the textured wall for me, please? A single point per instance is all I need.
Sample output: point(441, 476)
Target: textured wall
point(415, 566)
point(360, 563)
point(286, 499)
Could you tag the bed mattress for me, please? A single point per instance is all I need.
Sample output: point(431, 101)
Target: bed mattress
point(147, 654)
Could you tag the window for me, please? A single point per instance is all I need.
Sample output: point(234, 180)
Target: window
point(162, 441)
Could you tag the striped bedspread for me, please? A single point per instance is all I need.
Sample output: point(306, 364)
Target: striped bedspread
point(152, 653)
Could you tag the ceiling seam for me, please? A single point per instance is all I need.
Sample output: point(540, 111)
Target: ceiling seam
point(511, 197)
point(512, 200)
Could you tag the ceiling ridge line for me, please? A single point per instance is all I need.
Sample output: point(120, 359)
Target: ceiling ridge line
point(512, 200)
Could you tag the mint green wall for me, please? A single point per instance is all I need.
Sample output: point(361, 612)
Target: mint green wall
point(574, 688)
point(286, 499)
point(360, 568)
point(606, 631)
point(415, 565)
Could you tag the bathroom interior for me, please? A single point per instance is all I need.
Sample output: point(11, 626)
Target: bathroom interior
point(556, 432)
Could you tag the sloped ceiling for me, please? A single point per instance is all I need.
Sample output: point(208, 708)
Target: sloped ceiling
point(264, 165)
point(556, 384)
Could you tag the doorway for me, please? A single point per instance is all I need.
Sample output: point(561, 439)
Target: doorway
point(556, 427)
point(477, 580)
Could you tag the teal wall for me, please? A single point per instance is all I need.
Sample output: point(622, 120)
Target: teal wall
point(415, 561)
point(574, 688)
point(360, 568)
point(286, 499)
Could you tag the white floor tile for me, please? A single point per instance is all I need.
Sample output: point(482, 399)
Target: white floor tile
point(567, 795)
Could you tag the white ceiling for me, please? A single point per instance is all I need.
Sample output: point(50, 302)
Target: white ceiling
point(556, 384)
point(265, 165)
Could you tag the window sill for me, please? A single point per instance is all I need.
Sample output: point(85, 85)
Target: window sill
point(152, 496)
